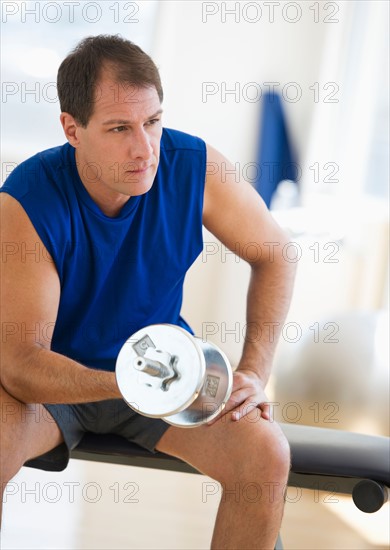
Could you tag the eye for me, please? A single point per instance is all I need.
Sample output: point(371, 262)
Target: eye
point(153, 121)
point(118, 129)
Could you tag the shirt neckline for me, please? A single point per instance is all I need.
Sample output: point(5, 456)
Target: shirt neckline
point(86, 198)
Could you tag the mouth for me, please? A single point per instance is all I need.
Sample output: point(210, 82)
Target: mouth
point(139, 171)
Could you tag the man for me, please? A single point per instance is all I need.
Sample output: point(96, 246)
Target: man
point(116, 217)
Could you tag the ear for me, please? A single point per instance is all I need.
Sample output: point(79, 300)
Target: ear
point(71, 128)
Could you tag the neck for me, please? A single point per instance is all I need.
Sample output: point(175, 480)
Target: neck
point(109, 201)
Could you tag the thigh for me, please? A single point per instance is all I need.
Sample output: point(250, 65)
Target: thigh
point(111, 416)
point(26, 431)
point(116, 417)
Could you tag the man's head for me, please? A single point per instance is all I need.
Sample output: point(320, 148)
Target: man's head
point(110, 95)
point(79, 74)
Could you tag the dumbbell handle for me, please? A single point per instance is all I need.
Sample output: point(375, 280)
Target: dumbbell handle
point(154, 368)
point(166, 373)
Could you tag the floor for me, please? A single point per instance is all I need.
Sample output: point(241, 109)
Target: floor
point(101, 506)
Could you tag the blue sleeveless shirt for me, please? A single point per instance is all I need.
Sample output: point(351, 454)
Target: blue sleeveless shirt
point(119, 274)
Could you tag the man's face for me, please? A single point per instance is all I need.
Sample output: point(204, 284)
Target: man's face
point(118, 152)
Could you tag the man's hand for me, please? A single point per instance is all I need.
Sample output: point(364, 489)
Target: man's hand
point(247, 395)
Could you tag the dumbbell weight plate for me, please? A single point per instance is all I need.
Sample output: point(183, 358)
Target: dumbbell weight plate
point(215, 392)
point(143, 392)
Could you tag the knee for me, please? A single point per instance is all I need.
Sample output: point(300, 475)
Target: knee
point(11, 438)
point(262, 454)
point(10, 464)
point(276, 449)
point(11, 459)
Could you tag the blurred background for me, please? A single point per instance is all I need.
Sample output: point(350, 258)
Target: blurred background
point(296, 95)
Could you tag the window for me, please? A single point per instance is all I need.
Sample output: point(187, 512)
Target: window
point(36, 36)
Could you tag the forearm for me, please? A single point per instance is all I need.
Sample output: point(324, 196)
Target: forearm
point(268, 300)
point(43, 376)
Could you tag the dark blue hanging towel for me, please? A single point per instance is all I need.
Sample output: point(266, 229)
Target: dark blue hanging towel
point(276, 158)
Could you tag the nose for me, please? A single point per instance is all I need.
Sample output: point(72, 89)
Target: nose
point(140, 147)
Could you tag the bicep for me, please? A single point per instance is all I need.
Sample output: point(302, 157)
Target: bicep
point(30, 287)
point(236, 214)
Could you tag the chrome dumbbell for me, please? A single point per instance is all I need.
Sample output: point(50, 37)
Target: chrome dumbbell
point(164, 372)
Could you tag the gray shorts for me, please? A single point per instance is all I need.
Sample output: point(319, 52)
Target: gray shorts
point(111, 416)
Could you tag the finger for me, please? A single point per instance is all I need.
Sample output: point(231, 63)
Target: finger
point(234, 406)
point(230, 405)
point(248, 407)
point(245, 409)
point(237, 398)
point(265, 411)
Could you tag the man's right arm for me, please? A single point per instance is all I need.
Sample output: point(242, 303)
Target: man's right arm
point(30, 294)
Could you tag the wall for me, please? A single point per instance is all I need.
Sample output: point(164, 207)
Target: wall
point(341, 230)
point(194, 47)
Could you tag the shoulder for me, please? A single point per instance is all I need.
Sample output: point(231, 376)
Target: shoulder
point(36, 200)
point(173, 140)
point(183, 159)
point(234, 211)
point(38, 173)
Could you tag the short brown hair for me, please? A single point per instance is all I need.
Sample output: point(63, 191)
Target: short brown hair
point(80, 71)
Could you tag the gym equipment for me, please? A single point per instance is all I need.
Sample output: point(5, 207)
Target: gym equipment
point(164, 372)
point(322, 459)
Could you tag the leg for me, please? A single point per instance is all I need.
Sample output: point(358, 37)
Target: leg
point(251, 460)
point(26, 431)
